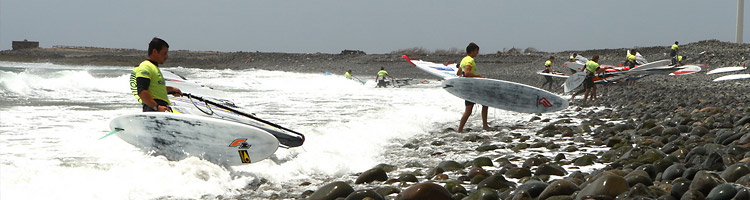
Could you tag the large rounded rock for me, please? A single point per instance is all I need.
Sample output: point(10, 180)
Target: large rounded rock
point(534, 188)
point(518, 172)
point(734, 172)
point(558, 187)
point(477, 171)
point(721, 192)
point(483, 194)
point(584, 160)
point(673, 172)
point(704, 181)
point(450, 165)
point(374, 174)
point(679, 187)
point(693, 195)
point(332, 191)
point(546, 169)
point(425, 191)
point(713, 162)
point(455, 187)
point(361, 194)
point(481, 161)
point(638, 176)
point(607, 184)
point(495, 182)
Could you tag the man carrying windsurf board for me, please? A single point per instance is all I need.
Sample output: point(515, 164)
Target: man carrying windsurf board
point(147, 83)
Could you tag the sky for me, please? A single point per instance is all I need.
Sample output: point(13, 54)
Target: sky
point(374, 26)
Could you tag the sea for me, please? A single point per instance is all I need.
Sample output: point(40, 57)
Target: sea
point(53, 116)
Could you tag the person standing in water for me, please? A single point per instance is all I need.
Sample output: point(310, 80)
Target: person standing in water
point(380, 78)
point(147, 83)
point(469, 70)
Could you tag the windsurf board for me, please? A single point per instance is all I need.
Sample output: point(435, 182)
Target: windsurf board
point(687, 69)
point(650, 65)
point(443, 71)
point(732, 77)
point(576, 66)
point(505, 95)
point(726, 69)
point(557, 75)
point(178, 136)
point(574, 81)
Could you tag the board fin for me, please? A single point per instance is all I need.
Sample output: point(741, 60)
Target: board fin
point(111, 133)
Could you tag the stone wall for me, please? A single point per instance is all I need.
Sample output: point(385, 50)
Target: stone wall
point(25, 44)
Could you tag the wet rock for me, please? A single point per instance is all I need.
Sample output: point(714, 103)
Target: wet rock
point(637, 191)
point(673, 172)
point(533, 161)
point(386, 167)
point(434, 172)
point(742, 121)
point(744, 180)
point(481, 161)
point(408, 178)
point(546, 169)
point(699, 131)
point(332, 191)
point(518, 172)
point(387, 190)
point(425, 191)
point(734, 172)
point(488, 147)
point(584, 160)
point(655, 131)
point(534, 188)
point(362, 194)
point(670, 131)
point(743, 193)
point(679, 187)
point(474, 171)
point(723, 191)
point(483, 194)
point(570, 149)
point(638, 176)
point(478, 178)
point(450, 165)
point(522, 195)
point(704, 181)
point(650, 169)
point(374, 174)
point(455, 187)
point(559, 157)
point(607, 184)
point(495, 182)
point(693, 195)
point(690, 173)
point(471, 138)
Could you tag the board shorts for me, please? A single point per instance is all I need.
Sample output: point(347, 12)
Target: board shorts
point(588, 82)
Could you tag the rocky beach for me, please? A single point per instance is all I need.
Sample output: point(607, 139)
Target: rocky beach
point(664, 137)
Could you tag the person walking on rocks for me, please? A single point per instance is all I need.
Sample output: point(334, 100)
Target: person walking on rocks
point(380, 78)
point(630, 59)
point(548, 69)
point(673, 51)
point(348, 74)
point(592, 68)
point(469, 69)
point(147, 83)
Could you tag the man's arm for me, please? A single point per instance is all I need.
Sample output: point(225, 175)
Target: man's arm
point(468, 73)
point(174, 91)
point(142, 85)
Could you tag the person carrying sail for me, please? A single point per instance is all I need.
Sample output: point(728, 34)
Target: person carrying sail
point(592, 68)
point(469, 70)
point(380, 78)
point(147, 83)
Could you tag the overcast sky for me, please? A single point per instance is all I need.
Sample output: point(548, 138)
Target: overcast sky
point(374, 26)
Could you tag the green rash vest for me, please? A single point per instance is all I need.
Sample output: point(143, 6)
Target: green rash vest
point(631, 58)
point(156, 87)
point(548, 63)
point(469, 61)
point(592, 66)
point(675, 47)
point(382, 73)
point(347, 75)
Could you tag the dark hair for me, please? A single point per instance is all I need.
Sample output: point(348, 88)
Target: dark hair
point(157, 44)
point(675, 42)
point(471, 47)
point(382, 68)
point(596, 57)
point(551, 57)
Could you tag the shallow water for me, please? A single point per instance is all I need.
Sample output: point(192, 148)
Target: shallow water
point(53, 115)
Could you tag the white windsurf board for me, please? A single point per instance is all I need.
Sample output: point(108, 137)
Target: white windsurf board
point(732, 77)
point(440, 70)
point(541, 72)
point(726, 69)
point(177, 136)
point(505, 95)
point(574, 81)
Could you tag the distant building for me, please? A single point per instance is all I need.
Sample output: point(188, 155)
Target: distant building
point(25, 44)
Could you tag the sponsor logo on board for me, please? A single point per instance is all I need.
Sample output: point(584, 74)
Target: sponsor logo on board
point(244, 156)
point(543, 101)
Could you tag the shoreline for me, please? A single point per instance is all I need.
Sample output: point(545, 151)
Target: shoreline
point(702, 128)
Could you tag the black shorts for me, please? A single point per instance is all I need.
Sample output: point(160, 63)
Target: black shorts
point(468, 103)
point(588, 82)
